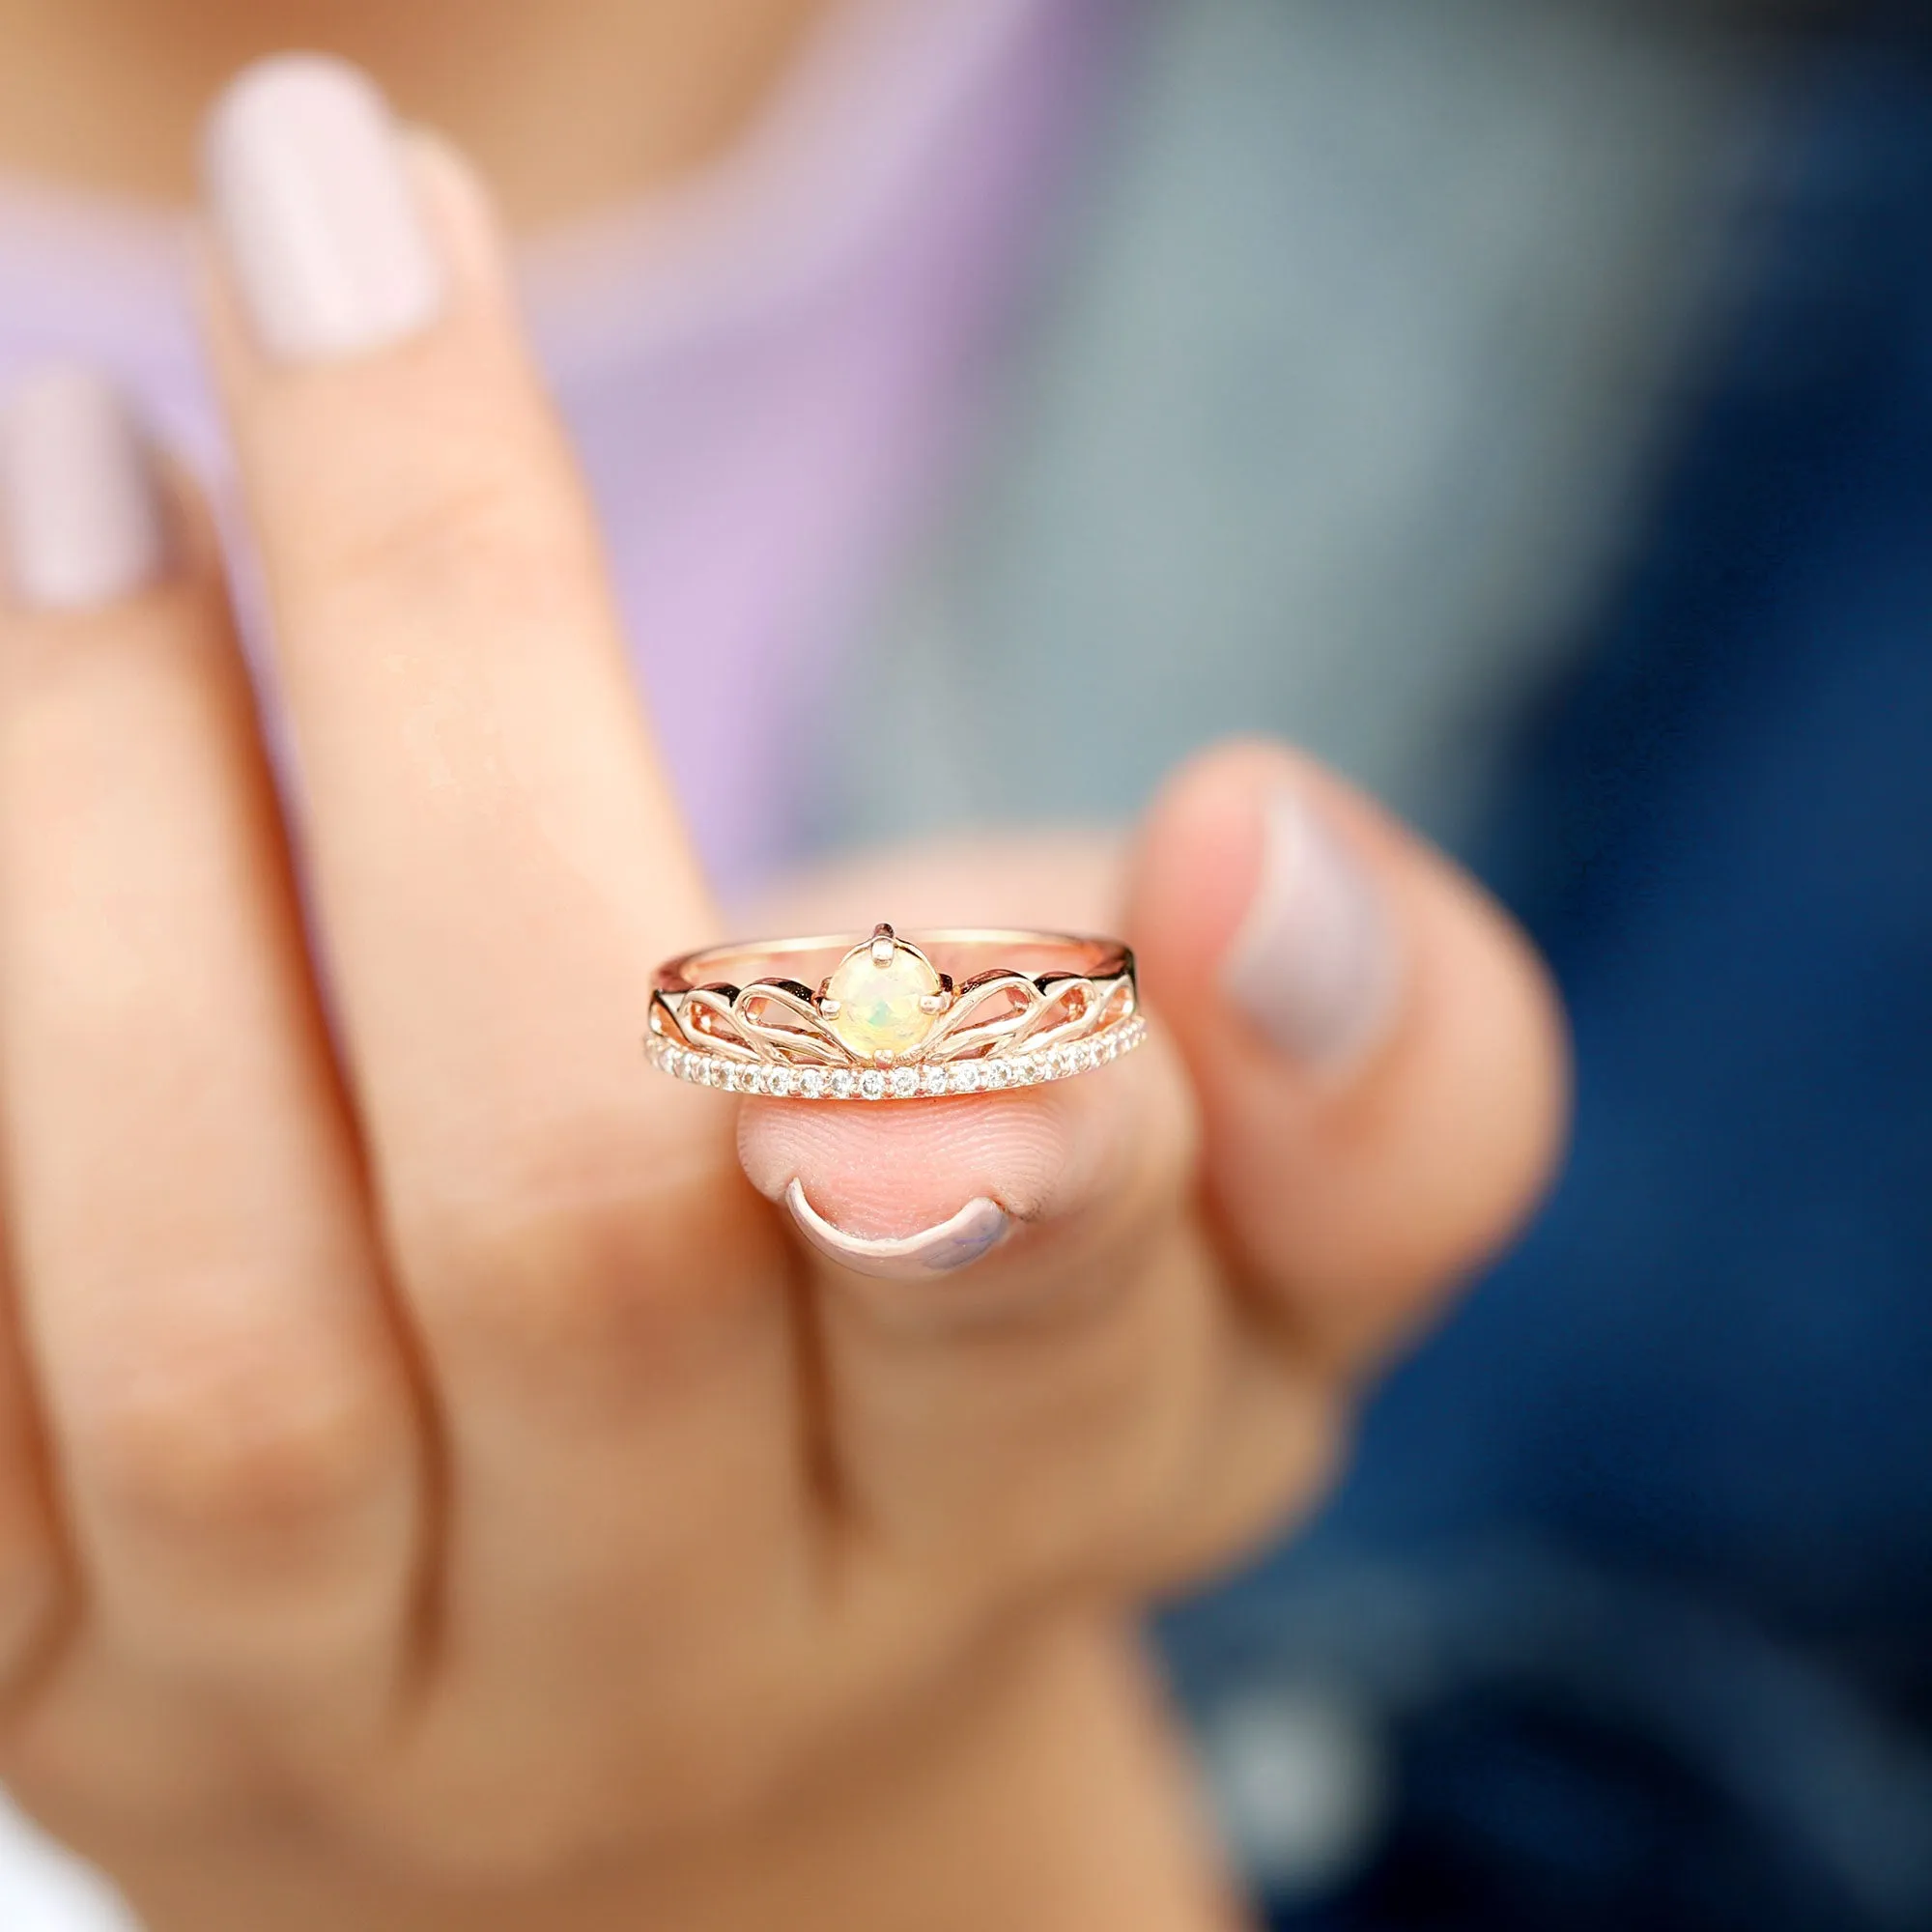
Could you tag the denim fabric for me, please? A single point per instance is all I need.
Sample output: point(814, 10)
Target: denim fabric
point(1628, 1604)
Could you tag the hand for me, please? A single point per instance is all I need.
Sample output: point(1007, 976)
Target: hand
point(436, 1486)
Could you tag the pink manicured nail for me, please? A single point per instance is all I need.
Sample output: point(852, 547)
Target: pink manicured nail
point(315, 210)
point(1314, 965)
point(956, 1242)
point(82, 511)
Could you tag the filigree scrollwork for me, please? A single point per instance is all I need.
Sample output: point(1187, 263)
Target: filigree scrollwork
point(992, 1016)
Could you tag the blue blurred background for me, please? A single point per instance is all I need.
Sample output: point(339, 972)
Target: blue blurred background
point(1625, 1617)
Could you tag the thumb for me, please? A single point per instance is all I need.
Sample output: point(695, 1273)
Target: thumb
point(1378, 1053)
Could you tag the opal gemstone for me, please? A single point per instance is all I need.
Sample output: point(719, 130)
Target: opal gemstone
point(879, 1008)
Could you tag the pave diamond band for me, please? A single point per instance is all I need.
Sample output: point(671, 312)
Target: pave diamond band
point(932, 1081)
point(967, 1011)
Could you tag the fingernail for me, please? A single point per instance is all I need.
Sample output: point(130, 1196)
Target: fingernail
point(1314, 965)
point(81, 509)
point(956, 1242)
point(315, 210)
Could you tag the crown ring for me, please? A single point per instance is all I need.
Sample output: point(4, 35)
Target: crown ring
point(965, 1010)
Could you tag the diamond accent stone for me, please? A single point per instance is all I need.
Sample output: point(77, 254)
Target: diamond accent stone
point(932, 1080)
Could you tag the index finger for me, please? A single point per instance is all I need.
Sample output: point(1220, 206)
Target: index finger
point(498, 856)
point(499, 866)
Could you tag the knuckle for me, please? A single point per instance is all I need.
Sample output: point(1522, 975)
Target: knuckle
point(466, 530)
point(469, 534)
point(65, 674)
point(595, 1265)
point(225, 1447)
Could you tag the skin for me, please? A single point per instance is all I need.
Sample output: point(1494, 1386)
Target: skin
point(437, 1484)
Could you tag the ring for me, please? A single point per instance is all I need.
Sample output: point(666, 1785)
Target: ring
point(970, 1011)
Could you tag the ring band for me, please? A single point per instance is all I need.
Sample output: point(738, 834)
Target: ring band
point(966, 1010)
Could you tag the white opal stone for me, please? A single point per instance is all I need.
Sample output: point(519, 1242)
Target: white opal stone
point(879, 1006)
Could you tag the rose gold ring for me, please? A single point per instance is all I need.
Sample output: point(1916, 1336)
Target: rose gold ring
point(965, 1012)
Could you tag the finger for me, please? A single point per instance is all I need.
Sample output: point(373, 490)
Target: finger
point(491, 829)
point(1273, 1416)
point(1011, 1345)
point(1376, 1052)
point(1037, 1380)
point(500, 866)
point(230, 1408)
